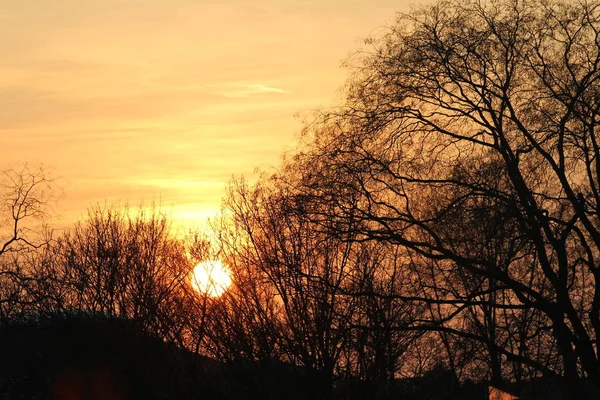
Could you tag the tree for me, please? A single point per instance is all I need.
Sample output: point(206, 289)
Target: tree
point(27, 194)
point(469, 138)
point(122, 264)
point(26, 200)
point(290, 301)
point(279, 248)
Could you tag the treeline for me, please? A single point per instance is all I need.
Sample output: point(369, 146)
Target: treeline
point(445, 218)
point(304, 318)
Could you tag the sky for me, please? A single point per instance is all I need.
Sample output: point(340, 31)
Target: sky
point(167, 100)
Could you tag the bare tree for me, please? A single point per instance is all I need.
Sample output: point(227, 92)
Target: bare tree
point(27, 194)
point(469, 137)
point(26, 199)
point(290, 302)
point(122, 264)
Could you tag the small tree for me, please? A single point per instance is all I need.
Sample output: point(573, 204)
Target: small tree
point(27, 194)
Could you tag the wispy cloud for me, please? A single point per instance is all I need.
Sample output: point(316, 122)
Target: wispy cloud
point(249, 90)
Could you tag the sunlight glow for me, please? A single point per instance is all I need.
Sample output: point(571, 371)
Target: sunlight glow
point(211, 278)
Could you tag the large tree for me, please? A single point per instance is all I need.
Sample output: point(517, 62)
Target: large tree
point(469, 138)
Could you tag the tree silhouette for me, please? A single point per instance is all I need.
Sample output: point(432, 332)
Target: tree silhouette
point(468, 137)
point(27, 194)
point(290, 299)
point(123, 264)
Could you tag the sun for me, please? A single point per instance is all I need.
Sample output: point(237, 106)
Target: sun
point(211, 278)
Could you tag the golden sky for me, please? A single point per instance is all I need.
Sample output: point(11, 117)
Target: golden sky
point(137, 100)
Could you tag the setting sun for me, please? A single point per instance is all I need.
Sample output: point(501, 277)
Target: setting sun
point(211, 278)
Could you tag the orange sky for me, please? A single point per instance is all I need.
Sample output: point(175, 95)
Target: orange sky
point(143, 99)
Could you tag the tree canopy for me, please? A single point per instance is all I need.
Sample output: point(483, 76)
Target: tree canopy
point(468, 138)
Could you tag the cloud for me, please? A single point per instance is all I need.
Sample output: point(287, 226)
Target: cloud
point(29, 107)
point(249, 90)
